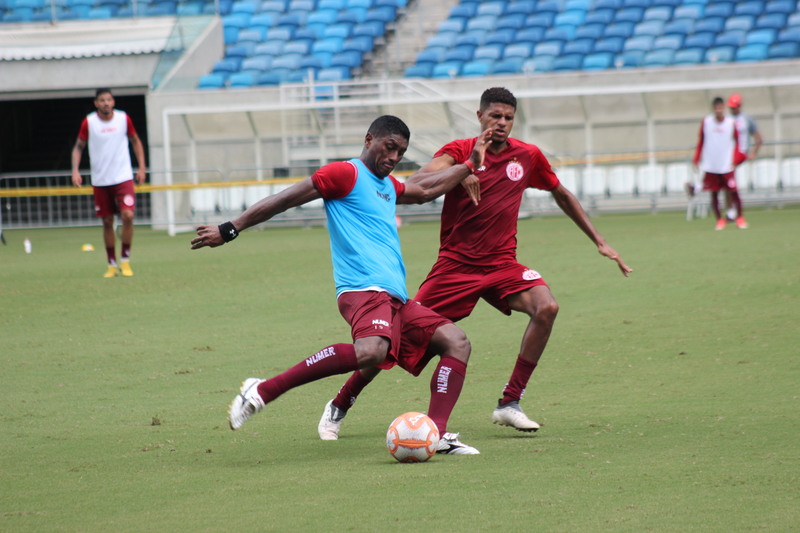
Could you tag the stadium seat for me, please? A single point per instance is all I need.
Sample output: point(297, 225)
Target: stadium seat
point(752, 52)
point(256, 64)
point(720, 54)
point(476, 68)
point(662, 13)
point(773, 21)
point(269, 48)
point(251, 36)
point(460, 53)
point(786, 7)
point(521, 7)
point(504, 36)
point(573, 17)
point(688, 56)
point(548, 6)
point(679, 27)
point(568, 62)
point(211, 81)
point(339, 30)
point(579, 46)
point(488, 52)
point(523, 50)
point(508, 66)
point(699, 40)
point(332, 45)
point(419, 70)
point(226, 66)
point(447, 69)
point(590, 31)
point(540, 19)
point(491, 8)
point(452, 25)
point(789, 35)
point(548, 48)
point(744, 23)
point(374, 29)
point(764, 36)
point(583, 5)
point(629, 59)
point(538, 64)
point(730, 38)
point(668, 42)
point(432, 55)
point(749, 7)
point(629, 14)
point(598, 61)
point(783, 51)
point(510, 22)
point(723, 10)
point(465, 11)
point(619, 29)
point(709, 24)
point(691, 12)
point(482, 22)
point(600, 16)
point(383, 14)
point(649, 27)
point(242, 79)
point(639, 42)
point(611, 45)
point(334, 74)
point(659, 58)
point(442, 39)
point(608, 4)
point(361, 44)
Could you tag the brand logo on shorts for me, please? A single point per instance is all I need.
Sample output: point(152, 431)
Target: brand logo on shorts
point(530, 275)
point(380, 323)
point(514, 171)
point(128, 200)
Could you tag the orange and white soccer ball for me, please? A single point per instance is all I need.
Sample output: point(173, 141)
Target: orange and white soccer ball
point(412, 438)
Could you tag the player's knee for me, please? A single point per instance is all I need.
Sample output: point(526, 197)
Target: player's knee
point(546, 312)
point(458, 345)
point(371, 352)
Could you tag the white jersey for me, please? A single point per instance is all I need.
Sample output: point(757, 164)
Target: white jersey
point(108, 147)
point(746, 127)
point(717, 144)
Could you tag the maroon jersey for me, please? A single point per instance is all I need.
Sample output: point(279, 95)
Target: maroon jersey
point(486, 234)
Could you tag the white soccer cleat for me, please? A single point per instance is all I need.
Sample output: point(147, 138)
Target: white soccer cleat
point(246, 403)
point(450, 445)
point(511, 415)
point(331, 422)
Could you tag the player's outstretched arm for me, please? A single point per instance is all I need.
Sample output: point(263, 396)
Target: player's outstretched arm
point(263, 210)
point(443, 173)
point(573, 209)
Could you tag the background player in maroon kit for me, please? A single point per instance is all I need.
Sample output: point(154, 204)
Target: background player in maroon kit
point(477, 254)
point(107, 132)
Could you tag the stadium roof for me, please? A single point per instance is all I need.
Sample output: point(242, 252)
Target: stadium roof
point(82, 39)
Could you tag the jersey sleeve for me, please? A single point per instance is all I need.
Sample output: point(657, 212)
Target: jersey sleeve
point(459, 150)
point(335, 180)
point(131, 129)
point(542, 176)
point(399, 187)
point(83, 133)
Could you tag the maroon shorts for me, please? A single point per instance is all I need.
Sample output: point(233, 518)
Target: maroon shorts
point(114, 198)
point(452, 289)
point(718, 182)
point(408, 326)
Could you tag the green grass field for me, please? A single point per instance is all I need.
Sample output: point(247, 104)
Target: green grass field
point(669, 400)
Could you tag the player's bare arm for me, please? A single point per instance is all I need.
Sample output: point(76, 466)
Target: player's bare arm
point(138, 151)
point(77, 152)
point(573, 209)
point(442, 174)
point(263, 210)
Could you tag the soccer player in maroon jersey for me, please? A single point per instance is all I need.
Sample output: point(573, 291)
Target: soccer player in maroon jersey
point(477, 254)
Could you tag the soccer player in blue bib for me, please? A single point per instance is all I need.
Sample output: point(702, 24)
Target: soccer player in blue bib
point(387, 328)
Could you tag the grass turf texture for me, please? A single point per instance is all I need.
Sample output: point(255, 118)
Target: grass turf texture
point(669, 400)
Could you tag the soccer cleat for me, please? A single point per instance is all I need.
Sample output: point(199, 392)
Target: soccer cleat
point(450, 445)
point(111, 272)
point(246, 404)
point(125, 266)
point(331, 422)
point(741, 223)
point(720, 224)
point(511, 415)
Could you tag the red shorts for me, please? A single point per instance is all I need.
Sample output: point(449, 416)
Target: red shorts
point(408, 326)
point(718, 182)
point(452, 289)
point(114, 198)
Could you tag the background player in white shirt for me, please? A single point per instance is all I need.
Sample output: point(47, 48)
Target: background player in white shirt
point(748, 129)
point(107, 132)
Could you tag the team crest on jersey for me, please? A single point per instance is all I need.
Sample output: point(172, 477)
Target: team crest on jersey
point(530, 275)
point(514, 170)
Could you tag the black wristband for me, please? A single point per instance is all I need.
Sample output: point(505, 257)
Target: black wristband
point(228, 231)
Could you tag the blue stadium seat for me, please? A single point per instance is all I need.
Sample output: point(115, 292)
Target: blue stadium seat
point(504, 36)
point(668, 42)
point(510, 22)
point(471, 38)
point(598, 61)
point(211, 81)
point(789, 35)
point(749, 7)
point(720, 54)
point(559, 33)
point(600, 16)
point(351, 60)
point(629, 14)
point(460, 53)
point(608, 4)
point(476, 68)
point(773, 21)
point(718, 10)
point(688, 56)
point(361, 44)
point(442, 39)
point(269, 48)
point(548, 48)
point(668, 3)
point(573, 17)
point(548, 6)
point(297, 47)
point(538, 64)
point(785, 50)
point(643, 4)
point(360, 4)
point(681, 27)
point(579, 46)
point(226, 66)
point(240, 50)
point(793, 19)
point(351, 16)
point(540, 19)
point(619, 29)
point(582, 5)
point(315, 63)
point(264, 20)
point(332, 45)
point(752, 52)
point(273, 78)
point(699, 40)
point(649, 27)
point(532, 35)
point(743, 22)
point(452, 25)
point(287, 61)
point(280, 33)
point(568, 62)
point(523, 50)
point(630, 59)
point(423, 70)
point(273, 6)
point(383, 14)
point(343, 31)
point(242, 79)
point(482, 22)
point(491, 8)
point(374, 29)
point(322, 16)
point(431, 54)
point(663, 13)
point(712, 24)
point(611, 45)
point(521, 7)
point(245, 6)
point(335, 5)
point(590, 31)
point(766, 36)
point(508, 66)
point(251, 36)
point(334, 74)
point(488, 52)
point(465, 11)
point(659, 58)
point(786, 7)
point(447, 69)
point(688, 11)
point(256, 64)
point(99, 13)
point(639, 42)
point(730, 38)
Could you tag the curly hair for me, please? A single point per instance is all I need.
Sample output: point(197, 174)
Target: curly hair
point(497, 95)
